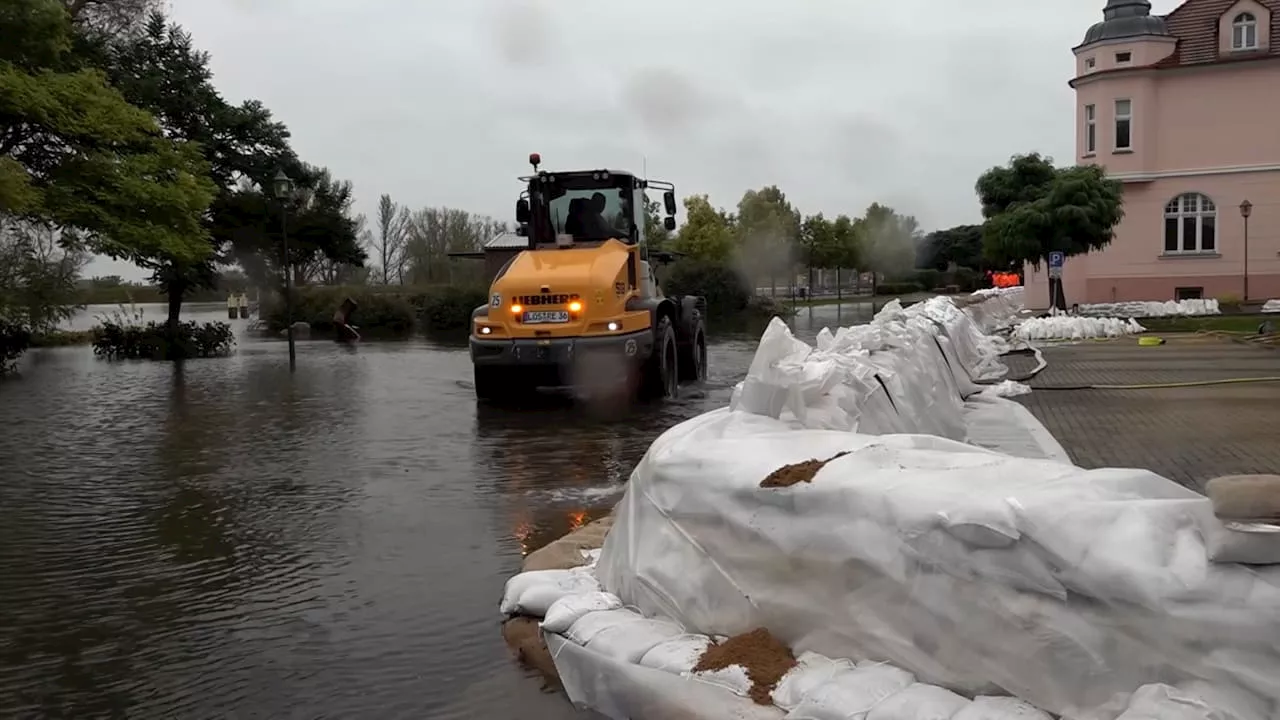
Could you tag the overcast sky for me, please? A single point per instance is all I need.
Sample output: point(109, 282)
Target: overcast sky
point(839, 102)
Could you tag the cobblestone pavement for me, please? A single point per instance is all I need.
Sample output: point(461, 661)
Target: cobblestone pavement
point(1189, 435)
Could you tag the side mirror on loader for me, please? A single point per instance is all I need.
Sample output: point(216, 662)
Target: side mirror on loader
point(523, 215)
point(669, 223)
point(669, 201)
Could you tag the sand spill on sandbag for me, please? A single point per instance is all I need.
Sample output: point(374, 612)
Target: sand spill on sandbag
point(789, 475)
point(763, 656)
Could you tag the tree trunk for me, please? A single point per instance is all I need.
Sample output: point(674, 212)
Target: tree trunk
point(839, 287)
point(177, 289)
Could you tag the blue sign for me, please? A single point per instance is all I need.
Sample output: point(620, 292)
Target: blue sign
point(1056, 259)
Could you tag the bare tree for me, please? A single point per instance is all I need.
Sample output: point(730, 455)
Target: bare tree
point(436, 232)
point(389, 240)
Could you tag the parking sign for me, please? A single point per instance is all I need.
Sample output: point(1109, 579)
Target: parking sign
point(1056, 259)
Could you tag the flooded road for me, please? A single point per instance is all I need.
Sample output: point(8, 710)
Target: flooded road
point(224, 540)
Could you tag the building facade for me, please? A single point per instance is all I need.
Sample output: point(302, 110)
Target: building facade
point(1184, 109)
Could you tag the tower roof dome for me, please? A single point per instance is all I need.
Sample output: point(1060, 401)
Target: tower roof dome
point(1125, 19)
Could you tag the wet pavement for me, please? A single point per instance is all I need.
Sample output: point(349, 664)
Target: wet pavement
point(1188, 434)
point(224, 540)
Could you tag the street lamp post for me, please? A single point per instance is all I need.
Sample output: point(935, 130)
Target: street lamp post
point(283, 187)
point(1246, 209)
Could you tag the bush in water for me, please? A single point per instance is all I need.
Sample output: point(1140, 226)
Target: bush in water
point(152, 341)
point(14, 340)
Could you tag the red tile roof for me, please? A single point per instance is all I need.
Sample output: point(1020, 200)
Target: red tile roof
point(1195, 24)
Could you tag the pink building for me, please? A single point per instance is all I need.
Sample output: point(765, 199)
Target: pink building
point(1185, 110)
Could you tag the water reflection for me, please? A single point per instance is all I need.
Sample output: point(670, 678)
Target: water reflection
point(223, 538)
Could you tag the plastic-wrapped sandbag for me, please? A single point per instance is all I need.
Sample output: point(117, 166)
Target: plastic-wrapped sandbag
point(999, 708)
point(593, 623)
point(533, 592)
point(811, 671)
point(919, 702)
point(852, 694)
point(1152, 308)
point(566, 611)
point(1075, 327)
point(1107, 586)
point(629, 641)
point(1164, 702)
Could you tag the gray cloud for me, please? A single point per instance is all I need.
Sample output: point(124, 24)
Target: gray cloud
point(840, 103)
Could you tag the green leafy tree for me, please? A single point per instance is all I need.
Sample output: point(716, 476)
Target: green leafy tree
point(818, 243)
point(768, 233)
point(158, 68)
point(322, 232)
point(889, 242)
point(707, 233)
point(961, 245)
point(655, 233)
point(1033, 208)
point(847, 244)
point(77, 157)
point(39, 276)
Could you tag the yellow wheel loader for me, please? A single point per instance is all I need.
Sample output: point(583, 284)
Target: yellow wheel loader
point(580, 308)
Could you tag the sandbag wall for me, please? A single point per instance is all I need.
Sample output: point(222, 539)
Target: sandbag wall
point(908, 371)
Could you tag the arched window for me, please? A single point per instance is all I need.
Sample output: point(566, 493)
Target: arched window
point(1190, 225)
point(1244, 32)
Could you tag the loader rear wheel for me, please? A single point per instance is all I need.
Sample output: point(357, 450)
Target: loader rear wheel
point(662, 371)
point(693, 359)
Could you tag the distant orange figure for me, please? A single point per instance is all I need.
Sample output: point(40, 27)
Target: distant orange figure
point(1005, 279)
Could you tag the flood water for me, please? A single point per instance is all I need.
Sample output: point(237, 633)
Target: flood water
point(223, 539)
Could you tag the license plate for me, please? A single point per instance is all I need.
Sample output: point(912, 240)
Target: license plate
point(546, 316)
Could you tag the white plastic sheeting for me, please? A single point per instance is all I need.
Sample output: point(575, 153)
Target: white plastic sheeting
point(938, 561)
point(1075, 327)
point(1271, 306)
point(912, 370)
point(1152, 308)
point(970, 569)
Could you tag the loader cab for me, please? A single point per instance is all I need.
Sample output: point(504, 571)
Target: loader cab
point(585, 208)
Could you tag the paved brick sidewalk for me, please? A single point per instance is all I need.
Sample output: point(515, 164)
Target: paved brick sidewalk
point(1186, 434)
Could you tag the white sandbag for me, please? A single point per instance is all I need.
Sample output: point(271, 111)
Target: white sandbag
point(539, 598)
point(1241, 542)
point(532, 593)
point(593, 623)
point(985, 707)
point(1232, 703)
point(811, 671)
point(919, 702)
point(1164, 702)
point(629, 641)
point(677, 655)
point(566, 611)
point(852, 694)
point(1007, 389)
